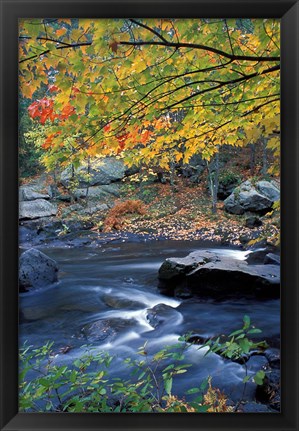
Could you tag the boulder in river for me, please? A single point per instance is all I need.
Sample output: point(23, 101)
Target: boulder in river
point(212, 274)
point(119, 302)
point(257, 256)
point(36, 270)
point(105, 329)
point(272, 258)
point(162, 313)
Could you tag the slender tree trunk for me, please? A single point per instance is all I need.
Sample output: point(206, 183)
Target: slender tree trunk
point(54, 186)
point(88, 177)
point(213, 177)
point(252, 159)
point(171, 179)
point(265, 157)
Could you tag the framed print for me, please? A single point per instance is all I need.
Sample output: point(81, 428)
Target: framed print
point(149, 215)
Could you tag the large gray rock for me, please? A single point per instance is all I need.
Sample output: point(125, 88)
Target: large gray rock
point(98, 192)
point(175, 267)
point(207, 273)
point(268, 189)
point(80, 210)
point(36, 209)
point(101, 171)
point(247, 197)
point(31, 192)
point(36, 270)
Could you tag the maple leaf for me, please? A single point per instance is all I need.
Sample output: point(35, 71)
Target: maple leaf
point(61, 31)
point(75, 90)
point(107, 127)
point(42, 109)
point(53, 88)
point(66, 112)
point(113, 45)
point(33, 110)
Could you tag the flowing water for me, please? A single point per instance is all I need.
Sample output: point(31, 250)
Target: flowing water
point(116, 284)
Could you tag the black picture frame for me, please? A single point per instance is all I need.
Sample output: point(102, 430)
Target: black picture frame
point(288, 12)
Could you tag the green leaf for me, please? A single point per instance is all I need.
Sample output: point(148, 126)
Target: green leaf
point(245, 345)
point(168, 385)
point(45, 382)
point(259, 377)
point(170, 367)
point(254, 331)
point(198, 399)
point(192, 391)
point(246, 379)
point(204, 384)
point(246, 320)
point(239, 331)
point(77, 363)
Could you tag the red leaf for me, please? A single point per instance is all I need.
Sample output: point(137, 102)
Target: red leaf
point(53, 88)
point(66, 112)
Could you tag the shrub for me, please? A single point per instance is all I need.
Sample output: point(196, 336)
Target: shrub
point(115, 217)
point(237, 347)
point(85, 386)
point(228, 177)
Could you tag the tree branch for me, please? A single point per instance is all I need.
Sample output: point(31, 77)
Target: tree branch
point(179, 45)
point(71, 45)
point(149, 29)
point(233, 81)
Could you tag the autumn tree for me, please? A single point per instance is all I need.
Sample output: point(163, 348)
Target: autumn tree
point(151, 91)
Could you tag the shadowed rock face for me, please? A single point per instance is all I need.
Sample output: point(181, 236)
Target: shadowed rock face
point(206, 273)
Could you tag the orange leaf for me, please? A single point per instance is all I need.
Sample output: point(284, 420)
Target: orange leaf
point(61, 31)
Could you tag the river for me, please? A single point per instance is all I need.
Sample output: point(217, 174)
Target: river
point(117, 284)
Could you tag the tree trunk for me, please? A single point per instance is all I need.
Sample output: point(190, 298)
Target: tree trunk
point(88, 177)
point(252, 159)
point(213, 177)
point(265, 157)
